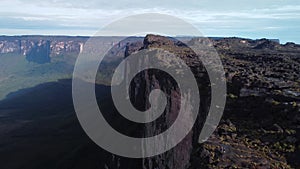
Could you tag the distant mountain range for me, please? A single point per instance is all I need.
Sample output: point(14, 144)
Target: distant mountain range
point(41, 49)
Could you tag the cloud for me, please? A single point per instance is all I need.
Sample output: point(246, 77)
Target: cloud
point(231, 18)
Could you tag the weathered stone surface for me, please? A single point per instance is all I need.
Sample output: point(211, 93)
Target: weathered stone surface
point(260, 123)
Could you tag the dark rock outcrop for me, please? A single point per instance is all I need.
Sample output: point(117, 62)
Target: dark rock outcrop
point(261, 117)
point(266, 44)
point(179, 157)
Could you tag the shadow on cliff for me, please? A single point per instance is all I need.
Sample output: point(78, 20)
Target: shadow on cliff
point(39, 129)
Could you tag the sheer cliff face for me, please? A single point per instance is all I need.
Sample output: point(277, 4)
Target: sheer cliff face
point(263, 89)
point(23, 46)
point(40, 50)
point(148, 80)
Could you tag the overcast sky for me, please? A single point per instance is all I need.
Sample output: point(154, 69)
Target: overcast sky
point(242, 18)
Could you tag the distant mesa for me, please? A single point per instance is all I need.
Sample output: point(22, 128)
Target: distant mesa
point(40, 49)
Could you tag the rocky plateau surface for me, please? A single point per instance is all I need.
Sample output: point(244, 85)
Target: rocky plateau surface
point(261, 122)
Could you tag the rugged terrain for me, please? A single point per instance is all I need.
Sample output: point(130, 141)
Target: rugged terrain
point(259, 129)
